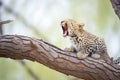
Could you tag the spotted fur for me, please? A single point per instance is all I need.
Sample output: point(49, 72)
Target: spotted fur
point(84, 43)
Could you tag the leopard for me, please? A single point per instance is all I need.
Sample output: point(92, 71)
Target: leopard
point(83, 43)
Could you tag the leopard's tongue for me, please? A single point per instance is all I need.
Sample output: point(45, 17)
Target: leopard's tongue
point(65, 30)
point(65, 33)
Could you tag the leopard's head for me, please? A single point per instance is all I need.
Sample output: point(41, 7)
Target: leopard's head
point(69, 27)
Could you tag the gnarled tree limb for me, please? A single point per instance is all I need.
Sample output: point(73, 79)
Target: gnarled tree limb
point(22, 47)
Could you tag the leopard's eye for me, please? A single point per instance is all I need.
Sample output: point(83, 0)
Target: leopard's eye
point(62, 22)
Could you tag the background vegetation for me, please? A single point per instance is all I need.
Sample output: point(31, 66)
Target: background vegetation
point(41, 19)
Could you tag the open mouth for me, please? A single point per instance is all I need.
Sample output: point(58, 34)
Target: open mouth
point(65, 29)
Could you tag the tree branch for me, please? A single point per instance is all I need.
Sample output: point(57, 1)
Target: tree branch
point(116, 6)
point(22, 47)
point(5, 22)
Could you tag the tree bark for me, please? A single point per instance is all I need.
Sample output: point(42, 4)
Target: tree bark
point(116, 6)
point(22, 47)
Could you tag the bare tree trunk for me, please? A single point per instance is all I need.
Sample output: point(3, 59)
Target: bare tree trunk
point(22, 47)
point(116, 6)
point(0, 17)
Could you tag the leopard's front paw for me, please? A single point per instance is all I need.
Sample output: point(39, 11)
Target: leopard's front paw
point(69, 49)
point(82, 55)
point(96, 56)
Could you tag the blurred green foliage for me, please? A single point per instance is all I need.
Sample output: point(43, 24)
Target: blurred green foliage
point(97, 13)
point(105, 14)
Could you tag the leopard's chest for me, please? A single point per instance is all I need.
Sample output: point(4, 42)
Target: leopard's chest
point(78, 42)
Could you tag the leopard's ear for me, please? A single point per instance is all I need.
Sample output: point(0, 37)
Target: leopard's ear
point(81, 25)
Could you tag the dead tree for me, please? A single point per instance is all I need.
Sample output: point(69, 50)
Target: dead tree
point(23, 47)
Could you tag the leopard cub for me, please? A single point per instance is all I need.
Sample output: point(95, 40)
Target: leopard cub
point(83, 43)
